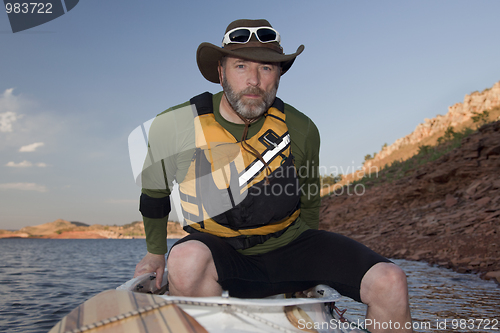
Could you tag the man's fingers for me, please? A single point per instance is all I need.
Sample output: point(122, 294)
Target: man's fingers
point(159, 277)
point(149, 264)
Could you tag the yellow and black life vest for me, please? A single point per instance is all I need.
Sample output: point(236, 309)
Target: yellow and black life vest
point(225, 192)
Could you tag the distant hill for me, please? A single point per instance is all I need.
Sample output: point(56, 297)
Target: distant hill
point(65, 229)
point(47, 228)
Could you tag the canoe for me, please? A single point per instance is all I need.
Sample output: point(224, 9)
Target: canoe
point(137, 306)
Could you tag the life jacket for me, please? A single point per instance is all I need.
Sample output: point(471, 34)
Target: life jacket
point(230, 193)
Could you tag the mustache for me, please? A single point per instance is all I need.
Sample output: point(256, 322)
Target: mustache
point(253, 91)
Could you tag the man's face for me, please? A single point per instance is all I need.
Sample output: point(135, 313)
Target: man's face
point(250, 87)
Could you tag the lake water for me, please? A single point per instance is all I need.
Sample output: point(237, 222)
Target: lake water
point(42, 280)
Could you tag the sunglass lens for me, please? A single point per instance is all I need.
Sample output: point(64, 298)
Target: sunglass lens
point(266, 35)
point(240, 36)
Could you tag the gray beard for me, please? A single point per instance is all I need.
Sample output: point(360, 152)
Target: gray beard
point(251, 109)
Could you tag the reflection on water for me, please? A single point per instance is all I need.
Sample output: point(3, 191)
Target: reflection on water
point(442, 298)
point(41, 280)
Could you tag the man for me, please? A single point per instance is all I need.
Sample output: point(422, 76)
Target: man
point(250, 191)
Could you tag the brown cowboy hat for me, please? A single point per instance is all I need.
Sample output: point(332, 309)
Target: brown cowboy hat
point(208, 55)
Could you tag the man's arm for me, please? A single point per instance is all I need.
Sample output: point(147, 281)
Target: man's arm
point(305, 148)
point(310, 200)
point(155, 201)
point(170, 142)
point(154, 206)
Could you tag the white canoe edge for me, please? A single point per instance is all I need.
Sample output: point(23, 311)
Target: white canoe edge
point(319, 294)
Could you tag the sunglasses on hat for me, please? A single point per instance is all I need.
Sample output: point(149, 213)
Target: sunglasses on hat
point(242, 35)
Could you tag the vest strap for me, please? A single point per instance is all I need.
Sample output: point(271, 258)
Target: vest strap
point(203, 103)
point(245, 242)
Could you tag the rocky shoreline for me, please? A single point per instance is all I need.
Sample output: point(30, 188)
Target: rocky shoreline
point(446, 212)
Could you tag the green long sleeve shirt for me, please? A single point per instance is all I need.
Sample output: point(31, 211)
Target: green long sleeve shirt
point(305, 142)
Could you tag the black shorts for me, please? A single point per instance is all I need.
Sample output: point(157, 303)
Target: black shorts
point(315, 257)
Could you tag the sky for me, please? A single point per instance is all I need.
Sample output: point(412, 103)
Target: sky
point(73, 89)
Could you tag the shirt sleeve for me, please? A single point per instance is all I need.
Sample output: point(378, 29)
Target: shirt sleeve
point(310, 199)
point(170, 140)
point(156, 229)
point(305, 148)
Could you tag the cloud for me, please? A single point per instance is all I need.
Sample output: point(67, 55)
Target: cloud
point(31, 148)
point(24, 124)
point(25, 164)
point(9, 104)
point(6, 120)
point(23, 187)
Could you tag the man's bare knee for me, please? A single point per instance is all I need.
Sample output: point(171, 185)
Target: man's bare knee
point(384, 289)
point(189, 252)
point(384, 281)
point(191, 256)
point(190, 265)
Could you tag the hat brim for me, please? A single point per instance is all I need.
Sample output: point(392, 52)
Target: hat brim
point(208, 56)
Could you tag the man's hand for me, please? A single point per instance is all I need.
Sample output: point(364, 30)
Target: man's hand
point(152, 263)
